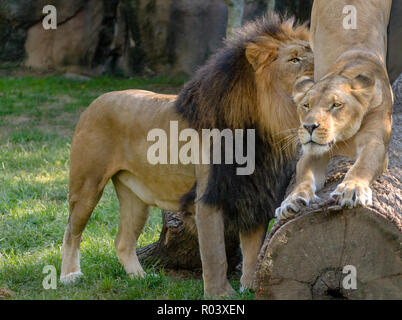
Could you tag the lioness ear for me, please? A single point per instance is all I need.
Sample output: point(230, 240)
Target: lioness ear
point(257, 56)
point(365, 88)
point(362, 81)
point(301, 87)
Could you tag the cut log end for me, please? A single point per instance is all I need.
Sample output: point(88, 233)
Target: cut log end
point(346, 254)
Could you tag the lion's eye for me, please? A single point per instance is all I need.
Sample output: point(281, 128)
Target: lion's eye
point(306, 106)
point(336, 105)
point(295, 60)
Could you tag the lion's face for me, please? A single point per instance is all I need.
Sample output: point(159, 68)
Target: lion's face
point(331, 110)
point(280, 65)
point(293, 61)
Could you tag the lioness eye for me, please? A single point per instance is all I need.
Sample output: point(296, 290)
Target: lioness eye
point(336, 105)
point(295, 60)
point(306, 106)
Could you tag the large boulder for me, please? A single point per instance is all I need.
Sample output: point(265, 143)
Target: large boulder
point(16, 17)
point(71, 46)
point(27, 12)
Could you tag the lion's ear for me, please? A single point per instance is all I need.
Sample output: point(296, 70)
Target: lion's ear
point(301, 87)
point(257, 56)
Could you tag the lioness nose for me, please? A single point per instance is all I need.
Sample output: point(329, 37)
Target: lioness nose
point(310, 127)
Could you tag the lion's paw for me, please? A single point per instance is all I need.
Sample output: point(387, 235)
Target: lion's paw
point(71, 277)
point(294, 203)
point(138, 273)
point(351, 194)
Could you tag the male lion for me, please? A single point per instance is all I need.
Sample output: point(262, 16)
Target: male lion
point(348, 110)
point(247, 84)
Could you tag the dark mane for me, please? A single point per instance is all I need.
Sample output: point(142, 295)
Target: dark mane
point(223, 94)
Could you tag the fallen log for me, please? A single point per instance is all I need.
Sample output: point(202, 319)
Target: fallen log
point(327, 252)
point(178, 249)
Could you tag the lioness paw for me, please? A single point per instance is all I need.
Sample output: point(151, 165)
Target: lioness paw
point(351, 194)
point(294, 203)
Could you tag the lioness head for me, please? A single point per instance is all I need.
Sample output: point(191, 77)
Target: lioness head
point(332, 110)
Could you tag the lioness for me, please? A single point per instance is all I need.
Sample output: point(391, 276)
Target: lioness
point(348, 110)
point(247, 84)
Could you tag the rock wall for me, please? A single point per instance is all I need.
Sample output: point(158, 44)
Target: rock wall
point(147, 37)
point(169, 37)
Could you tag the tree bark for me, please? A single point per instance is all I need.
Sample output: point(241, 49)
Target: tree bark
point(270, 7)
point(305, 257)
point(235, 15)
point(177, 247)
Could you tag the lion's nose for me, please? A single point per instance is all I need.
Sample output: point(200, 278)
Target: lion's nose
point(310, 127)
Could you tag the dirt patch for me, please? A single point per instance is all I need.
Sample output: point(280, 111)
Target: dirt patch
point(184, 274)
point(16, 120)
point(64, 124)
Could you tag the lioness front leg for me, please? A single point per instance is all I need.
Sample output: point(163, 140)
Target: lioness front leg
point(355, 188)
point(310, 177)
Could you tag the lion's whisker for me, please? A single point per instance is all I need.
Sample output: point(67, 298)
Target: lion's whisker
point(289, 143)
point(286, 139)
point(288, 130)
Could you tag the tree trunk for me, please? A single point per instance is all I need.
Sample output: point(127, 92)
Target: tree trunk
point(177, 247)
point(315, 254)
point(270, 7)
point(235, 15)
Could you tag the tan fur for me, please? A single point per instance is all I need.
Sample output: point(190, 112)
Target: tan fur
point(110, 142)
point(348, 110)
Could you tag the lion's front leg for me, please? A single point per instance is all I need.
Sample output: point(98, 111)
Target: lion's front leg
point(210, 227)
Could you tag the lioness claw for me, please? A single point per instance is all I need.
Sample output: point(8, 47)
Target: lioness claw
point(294, 203)
point(352, 194)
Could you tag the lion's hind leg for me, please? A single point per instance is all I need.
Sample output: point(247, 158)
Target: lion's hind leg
point(133, 216)
point(82, 202)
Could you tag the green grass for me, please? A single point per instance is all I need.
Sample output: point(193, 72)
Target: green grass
point(37, 120)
